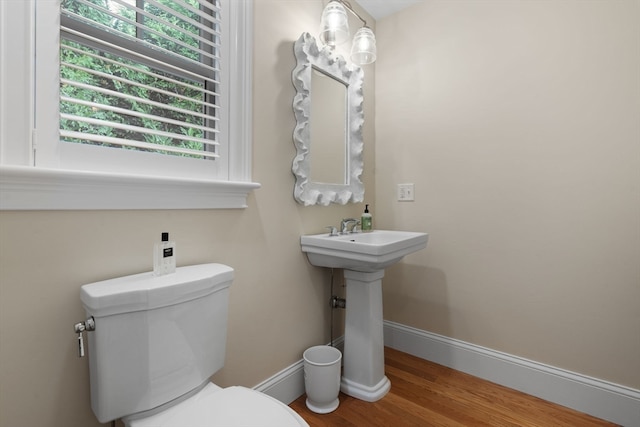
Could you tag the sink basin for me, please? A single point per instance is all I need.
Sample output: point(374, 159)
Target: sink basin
point(366, 252)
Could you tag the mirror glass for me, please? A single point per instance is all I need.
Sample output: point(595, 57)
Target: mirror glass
point(328, 133)
point(328, 129)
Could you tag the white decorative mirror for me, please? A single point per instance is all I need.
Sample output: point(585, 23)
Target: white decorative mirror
point(328, 133)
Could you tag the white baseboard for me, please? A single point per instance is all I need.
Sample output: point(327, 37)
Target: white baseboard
point(602, 399)
point(288, 384)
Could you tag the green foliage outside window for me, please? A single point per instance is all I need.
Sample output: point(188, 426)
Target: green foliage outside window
point(108, 68)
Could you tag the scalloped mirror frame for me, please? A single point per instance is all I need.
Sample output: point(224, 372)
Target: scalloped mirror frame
point(309, 56)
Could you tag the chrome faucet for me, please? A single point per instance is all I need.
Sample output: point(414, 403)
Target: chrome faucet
point(344, 225)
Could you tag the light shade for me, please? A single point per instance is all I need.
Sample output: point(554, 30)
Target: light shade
point(334, 25)
point(363, 50)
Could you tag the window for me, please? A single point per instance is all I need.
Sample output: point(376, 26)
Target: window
point(141, 75)
point(138, 104)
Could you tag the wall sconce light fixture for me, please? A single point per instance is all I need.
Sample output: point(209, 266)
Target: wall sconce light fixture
point(334, 30)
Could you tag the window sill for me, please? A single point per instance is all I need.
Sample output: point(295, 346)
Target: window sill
point(28, 188)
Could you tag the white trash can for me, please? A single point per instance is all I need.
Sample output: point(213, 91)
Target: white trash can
point(322, 378)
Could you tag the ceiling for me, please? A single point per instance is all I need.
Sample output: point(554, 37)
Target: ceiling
point(381, 8)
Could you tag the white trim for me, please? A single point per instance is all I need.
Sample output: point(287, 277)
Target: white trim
point(287, 385)
point(29, 188)
point(58, 186)
point(16, 81)
point(602, 399)
point(241, 105)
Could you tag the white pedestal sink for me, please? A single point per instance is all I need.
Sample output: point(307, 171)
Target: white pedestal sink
point(363, 256)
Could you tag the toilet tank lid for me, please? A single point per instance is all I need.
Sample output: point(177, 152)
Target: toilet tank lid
point(145, 291)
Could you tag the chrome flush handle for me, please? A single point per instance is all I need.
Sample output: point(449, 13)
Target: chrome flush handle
point(87, 325)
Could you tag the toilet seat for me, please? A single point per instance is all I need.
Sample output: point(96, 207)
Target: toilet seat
point(225, 407)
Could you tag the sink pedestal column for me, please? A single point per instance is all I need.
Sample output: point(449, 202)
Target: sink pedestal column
point(363, 376)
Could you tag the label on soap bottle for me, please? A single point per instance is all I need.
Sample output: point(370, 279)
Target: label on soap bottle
point(366, 223)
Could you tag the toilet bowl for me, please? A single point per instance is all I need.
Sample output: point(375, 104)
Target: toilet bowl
point(223, 407)
point(156, 341)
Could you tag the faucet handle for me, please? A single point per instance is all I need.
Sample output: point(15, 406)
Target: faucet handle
point(355, 226)
point(333, 231)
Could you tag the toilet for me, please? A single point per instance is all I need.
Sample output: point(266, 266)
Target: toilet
point(156, 343)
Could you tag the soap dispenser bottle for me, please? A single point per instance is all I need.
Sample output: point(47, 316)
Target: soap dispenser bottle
point(164, 256)
point(366, 220)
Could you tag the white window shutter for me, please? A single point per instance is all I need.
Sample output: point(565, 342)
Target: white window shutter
point(141, 74)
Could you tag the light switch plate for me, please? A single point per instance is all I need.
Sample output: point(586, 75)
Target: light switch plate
point(406, 192)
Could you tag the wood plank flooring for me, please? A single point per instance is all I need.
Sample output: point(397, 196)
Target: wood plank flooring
point(427, 394)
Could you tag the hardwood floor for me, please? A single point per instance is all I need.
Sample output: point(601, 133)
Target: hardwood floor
point(427, 394)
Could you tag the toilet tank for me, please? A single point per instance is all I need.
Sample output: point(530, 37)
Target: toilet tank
point(156, 337)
